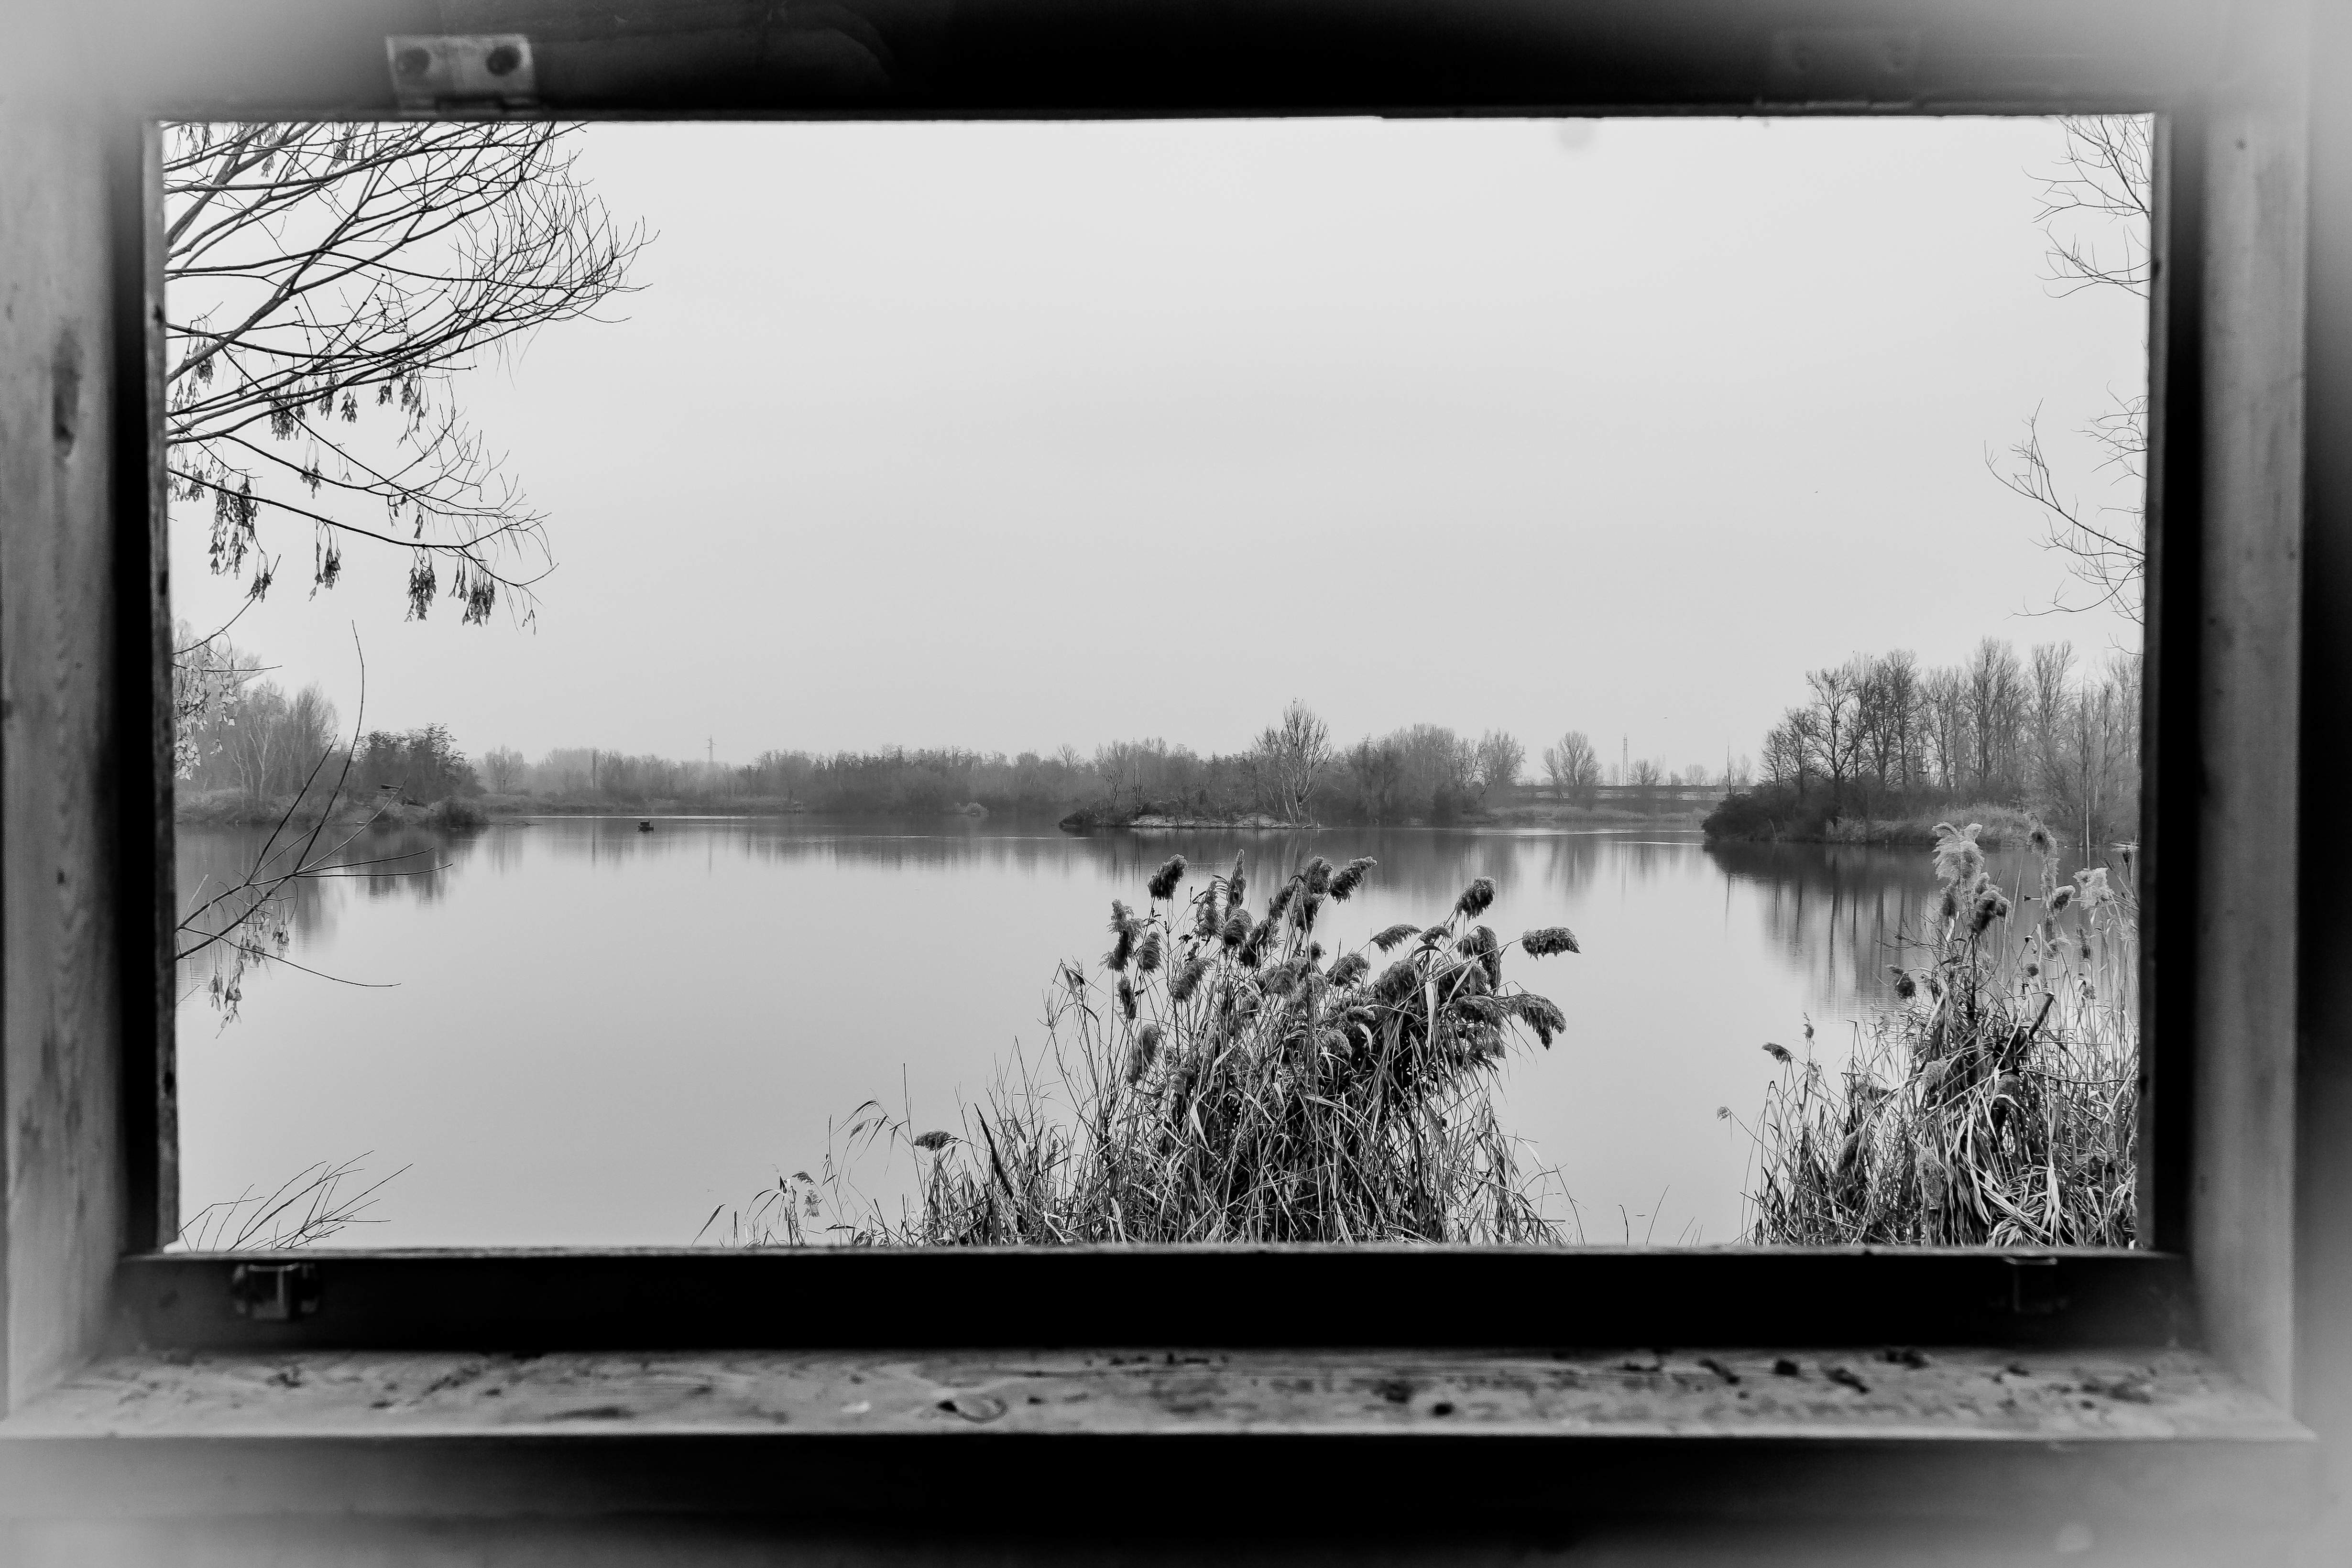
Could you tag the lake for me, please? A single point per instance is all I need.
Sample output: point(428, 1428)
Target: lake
point(572, 1033)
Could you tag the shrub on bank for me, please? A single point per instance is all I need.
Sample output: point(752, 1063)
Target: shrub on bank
point(1996, 828)
point(1769, 812)
point(456, 814)
point(1996, 1102)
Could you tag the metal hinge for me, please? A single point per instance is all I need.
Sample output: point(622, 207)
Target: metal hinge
point(462, 73)
point(274, 1292)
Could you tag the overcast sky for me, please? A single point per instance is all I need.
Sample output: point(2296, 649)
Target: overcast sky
point(1010, 436)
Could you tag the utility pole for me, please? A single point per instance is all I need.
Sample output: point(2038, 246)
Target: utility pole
point(1624, 759)
point(710, 753)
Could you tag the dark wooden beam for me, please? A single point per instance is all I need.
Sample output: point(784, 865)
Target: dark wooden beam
point(657, 58)
point(1227, 1297)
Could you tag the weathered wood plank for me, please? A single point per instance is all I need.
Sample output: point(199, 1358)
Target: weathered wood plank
point(2255, 156)
point(1868, 1393)
point(61, 1222)
point(1373, 1447)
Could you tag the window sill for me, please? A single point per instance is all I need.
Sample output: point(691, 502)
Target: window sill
point(438, 1433)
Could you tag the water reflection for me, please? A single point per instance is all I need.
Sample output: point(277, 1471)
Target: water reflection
point(598, 1033)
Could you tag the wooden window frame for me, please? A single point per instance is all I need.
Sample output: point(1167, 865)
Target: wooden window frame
point(89, 1207)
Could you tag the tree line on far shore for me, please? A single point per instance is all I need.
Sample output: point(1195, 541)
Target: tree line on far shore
point(1882, 738)
point(253, 746)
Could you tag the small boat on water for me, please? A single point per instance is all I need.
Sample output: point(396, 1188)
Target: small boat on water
point(645, 825)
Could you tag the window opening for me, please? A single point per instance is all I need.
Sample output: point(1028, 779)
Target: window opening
point(1617, 532)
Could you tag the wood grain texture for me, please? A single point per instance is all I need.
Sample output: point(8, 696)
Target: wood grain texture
point(427, 1434)
point(1864, 1393)
point(60, 1179)
point(2243, 1200)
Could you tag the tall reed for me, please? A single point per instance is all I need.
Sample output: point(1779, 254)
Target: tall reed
point(1995, 1101)
point(1222, 1077)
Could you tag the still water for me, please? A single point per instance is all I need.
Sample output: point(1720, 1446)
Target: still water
point(572, 1033)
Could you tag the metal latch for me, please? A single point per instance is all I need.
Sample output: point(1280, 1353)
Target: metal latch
point(1845, 65)
point(480, 72)
point(2033, 1290)
point(274, 1292)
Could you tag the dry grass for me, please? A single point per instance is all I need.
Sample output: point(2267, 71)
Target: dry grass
point(1995, 1103)
point(308, 1208)
point(1220, 1078)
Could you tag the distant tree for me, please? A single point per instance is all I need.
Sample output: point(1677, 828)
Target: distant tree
point(1500, 757)
point(423, 765)
point(1834, 731)
point(1289, 758)
point(1378, 769)
point(1887, 703)
point(1573, 767)
point(502, 767)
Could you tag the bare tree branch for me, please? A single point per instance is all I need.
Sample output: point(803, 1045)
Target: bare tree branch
point(326, 282)
point(2103, 185)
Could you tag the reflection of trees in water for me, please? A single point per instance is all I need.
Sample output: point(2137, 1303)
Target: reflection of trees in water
point(381, 862)
point(1414, 861)
point(1840, 913)
point(1427, 865)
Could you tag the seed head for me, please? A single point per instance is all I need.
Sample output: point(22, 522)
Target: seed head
point(1352, 967)
point(1236, 884)
point(1123, 925)
point(1403, 932)
point(932, 1142)
point(1127, 997)
point(1991, 904)
point(1280, 900)
point(1163, 881)
point(1551, 940)
point(1541, 1014)
point(1958, 858)
point(2039, 840)
point(1237, 927)
point(1779, 1054)
point(1145, 1050)
point(1475, 897)
point(1186, 979)
point(2062, 898)
point(1206, 918)
point(1350, 876)
point(1317, 875)
point(1147, 952)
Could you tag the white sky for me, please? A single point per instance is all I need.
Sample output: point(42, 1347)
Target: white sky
point(1010, 435)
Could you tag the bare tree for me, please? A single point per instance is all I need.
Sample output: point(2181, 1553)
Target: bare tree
point(325, 282)
point(2104, 183)
point(1500, 757)
point(1837, 731)
point(1574, 767)
point(502, 767)
point(1290, 757)
point(1377, 766)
